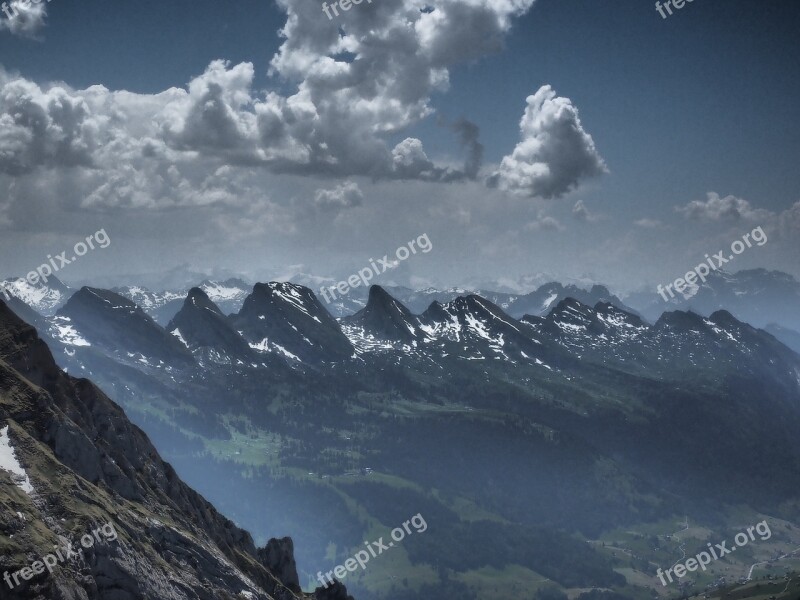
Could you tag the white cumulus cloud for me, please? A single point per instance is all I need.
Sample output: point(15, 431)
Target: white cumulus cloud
point(354, 83)
point(24, 18)
point(717, 208)
point(544, 223)
point(371, 72)
point(345, 195)
point(555, 153)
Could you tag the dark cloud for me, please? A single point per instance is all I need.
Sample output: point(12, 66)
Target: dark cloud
point(468, 134)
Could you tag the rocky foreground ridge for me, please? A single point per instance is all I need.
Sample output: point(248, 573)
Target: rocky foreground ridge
point(84, 465)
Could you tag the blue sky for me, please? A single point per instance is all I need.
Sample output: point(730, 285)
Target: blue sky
point(668, 112)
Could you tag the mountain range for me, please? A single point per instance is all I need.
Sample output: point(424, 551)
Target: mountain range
point(572, 417)
point(757, 296)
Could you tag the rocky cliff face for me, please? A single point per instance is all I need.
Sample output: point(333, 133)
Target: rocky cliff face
point(71, 462)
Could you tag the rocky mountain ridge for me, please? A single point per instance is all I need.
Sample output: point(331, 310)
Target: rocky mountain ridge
point(89, 465)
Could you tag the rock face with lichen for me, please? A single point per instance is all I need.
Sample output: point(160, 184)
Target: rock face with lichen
point(72, 463)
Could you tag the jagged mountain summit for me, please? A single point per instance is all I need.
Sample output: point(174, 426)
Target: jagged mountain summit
point(162, 306)
point(80, 464)
point(387, 319)
point(44, 298)
point(118, 325)
point(477, 329)
point(201, 325)
point(291, 319)
point(542, 300)
point(756, 296)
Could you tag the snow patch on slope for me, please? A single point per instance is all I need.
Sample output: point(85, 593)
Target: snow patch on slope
point(266, 346)
point(218, 291)
point(9, 463)
point(292, 296)
point(42, 298)
point(177, 333)
point(65, 332)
